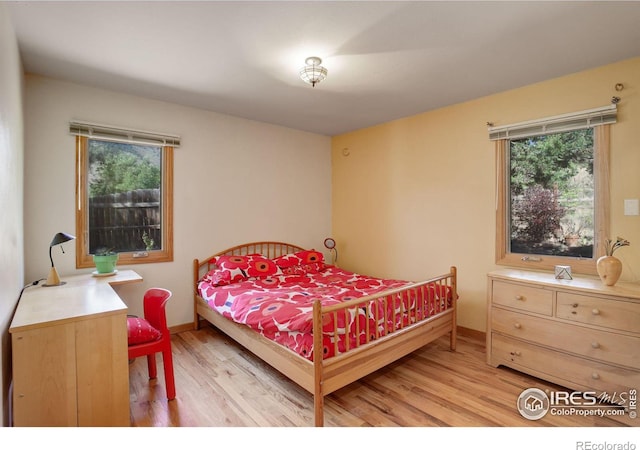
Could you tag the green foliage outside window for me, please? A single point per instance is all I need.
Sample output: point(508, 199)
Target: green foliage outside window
point(116, 167)
point(552, 194)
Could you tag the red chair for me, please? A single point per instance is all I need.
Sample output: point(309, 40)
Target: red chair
point(150, 335)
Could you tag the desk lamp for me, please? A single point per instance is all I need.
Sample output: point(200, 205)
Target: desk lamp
point(53, 279)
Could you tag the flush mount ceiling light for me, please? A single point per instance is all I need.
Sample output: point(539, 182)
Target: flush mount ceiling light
point(313, 73)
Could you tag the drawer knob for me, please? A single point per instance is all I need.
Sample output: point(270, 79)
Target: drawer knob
point(515, 353)
point(519, 297)
point(575, 305)
point(595, 376)
point(595, 311)
point(595, 345)
point(517, 325)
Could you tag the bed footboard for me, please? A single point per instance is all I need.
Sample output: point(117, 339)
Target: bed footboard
point(394, 323)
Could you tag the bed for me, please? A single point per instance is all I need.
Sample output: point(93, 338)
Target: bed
point(321, 326)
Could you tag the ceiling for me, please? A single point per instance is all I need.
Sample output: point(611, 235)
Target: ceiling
point(386, 59)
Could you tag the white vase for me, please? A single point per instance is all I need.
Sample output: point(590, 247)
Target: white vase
point(609, 269)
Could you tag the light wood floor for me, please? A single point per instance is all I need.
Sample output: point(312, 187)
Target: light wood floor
point(219, 384)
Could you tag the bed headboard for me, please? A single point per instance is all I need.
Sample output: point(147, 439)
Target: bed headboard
point(270, 249)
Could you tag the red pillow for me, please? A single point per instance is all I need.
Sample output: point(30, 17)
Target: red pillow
point(261, 267)
point(302, 262)
point(140, 331)
point(313, 267)
point(288, 260)
point(236, 268)
point(310, 256)
point(217, 277)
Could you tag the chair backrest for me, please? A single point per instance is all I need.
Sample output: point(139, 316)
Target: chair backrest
point(155, 300)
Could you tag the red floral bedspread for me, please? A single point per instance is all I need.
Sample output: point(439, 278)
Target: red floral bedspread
point(280, 307)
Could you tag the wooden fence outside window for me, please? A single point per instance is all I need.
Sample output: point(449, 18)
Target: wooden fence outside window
point(120, 221)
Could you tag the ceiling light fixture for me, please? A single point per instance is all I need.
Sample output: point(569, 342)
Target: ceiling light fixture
point(313, 73)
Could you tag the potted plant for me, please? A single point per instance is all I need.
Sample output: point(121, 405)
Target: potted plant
point(105, 260)
point(572, 230)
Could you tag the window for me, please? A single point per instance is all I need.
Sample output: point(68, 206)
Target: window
point(553, 193)
point(124, 190)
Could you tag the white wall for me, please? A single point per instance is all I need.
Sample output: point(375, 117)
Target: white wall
point(235, 181)
point(11, 178)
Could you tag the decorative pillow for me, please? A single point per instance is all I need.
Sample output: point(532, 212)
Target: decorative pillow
point(288, 260)
point(292, 270)
point(313, 267)
point(261, 267)
point(217, 277)
point(310, 256)
point(140, 331)
point(300, 263)
point(236, 268)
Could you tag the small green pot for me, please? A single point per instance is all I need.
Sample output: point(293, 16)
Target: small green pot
point(105, 263)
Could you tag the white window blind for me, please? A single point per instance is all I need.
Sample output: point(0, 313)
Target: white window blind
point(112, 133)
point(556, 124)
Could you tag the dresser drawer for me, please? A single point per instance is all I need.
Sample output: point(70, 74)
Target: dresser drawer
point(574, 370)
point(525, 298)
point(596, 344)
point(619, 315)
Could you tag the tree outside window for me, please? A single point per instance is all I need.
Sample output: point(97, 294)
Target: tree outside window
point(552, 197)
point(552, 194)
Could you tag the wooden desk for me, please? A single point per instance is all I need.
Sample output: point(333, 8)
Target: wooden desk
point(69, 350)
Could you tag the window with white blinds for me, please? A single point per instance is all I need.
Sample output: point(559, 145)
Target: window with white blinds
point(119, 134)
point(124, 193)
point(556, 124)
point(552, 197)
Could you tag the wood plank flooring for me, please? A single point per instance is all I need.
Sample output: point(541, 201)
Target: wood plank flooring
point(219, 384)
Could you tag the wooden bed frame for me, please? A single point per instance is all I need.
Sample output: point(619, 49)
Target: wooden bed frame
point(321, 376)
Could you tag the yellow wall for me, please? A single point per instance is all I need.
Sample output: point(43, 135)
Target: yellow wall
point(413, 196)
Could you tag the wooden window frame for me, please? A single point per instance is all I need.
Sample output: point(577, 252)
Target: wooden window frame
point(601, 208)
point(83, 258)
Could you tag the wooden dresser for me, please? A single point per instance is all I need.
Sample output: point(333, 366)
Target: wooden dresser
point(69, 353)
point(577, 333)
